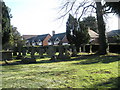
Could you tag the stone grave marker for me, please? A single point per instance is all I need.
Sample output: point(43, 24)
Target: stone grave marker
point(61, 52)
point(15, 51)
point(51, 52)
point(74, 52)
point(41, 52)
point(67, 53)
point(24, 51)
point(19, 56)
point(32, 52)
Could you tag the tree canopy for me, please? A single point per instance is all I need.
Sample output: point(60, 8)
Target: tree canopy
point(76, 32)
point(113, 7)
point(91, 22)
point(10, 35)
point(5, 24)
point(16, 37)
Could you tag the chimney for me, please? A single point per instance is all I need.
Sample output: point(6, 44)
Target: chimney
point(53, 33)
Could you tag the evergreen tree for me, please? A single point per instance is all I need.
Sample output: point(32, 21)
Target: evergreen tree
point(5, 24)
point(113, 7)
point(16, 37)
point(91, 22)
point(76, 32)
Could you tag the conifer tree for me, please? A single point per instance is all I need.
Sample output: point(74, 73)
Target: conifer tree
point(76, 32)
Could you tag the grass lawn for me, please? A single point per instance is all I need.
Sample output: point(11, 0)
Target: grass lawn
point(78, 72)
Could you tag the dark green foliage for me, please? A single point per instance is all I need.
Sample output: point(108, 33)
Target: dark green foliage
point(113, 7)
point(76, 32)
point(91, 22)
point(5, 24)
point(16, 37)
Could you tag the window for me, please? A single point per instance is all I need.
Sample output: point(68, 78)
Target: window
point(56, 41)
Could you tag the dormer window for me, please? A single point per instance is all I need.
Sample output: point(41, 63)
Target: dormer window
point(39, 42)
point(49, 42)
point(56, 41)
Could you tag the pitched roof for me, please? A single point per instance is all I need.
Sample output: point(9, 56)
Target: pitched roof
point(92, 33)
point(113, 33)
point(38, 37)
point(28, 36)
point(31, 39)
point(59, 36)
point(41, 37)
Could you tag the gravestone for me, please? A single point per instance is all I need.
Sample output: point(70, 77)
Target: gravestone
point(19, 56)
point(32, 52)
point(24, 51)
point(51, 52)
point(28, 60)
point(74, 52)
point(6, 55)
point(67, 53)
point(28, 50)
point(15, 51)
point(41, 52)
point(61, 52)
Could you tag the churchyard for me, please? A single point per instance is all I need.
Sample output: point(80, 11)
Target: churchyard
point(59, 67)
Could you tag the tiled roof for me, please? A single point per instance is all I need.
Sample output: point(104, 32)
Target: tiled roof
point(38, 37)
point(31, 39)
point(28, 36)
point(60, 36)
point(92, 33)
point(113, 33)
point(41, 37)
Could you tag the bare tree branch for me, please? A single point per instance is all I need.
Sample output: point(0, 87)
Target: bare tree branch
point(70, 6)
point(66, 5)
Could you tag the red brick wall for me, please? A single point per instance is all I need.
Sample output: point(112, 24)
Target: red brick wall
point(45, 42)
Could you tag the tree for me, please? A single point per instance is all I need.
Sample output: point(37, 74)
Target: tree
point(5, 24)
point(113, 7)
point(76, 32)
point(101, 28)
point(91, 22)
point(85, 6)
point(16, 37)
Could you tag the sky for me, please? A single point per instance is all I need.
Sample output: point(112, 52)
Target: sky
point(36, 17)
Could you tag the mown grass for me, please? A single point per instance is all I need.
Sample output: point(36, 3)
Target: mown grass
point(78, 72)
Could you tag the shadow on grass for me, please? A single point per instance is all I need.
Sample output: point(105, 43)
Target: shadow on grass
point(84, 59)
point(102, 59)
point(111, 83)
point(79, 57)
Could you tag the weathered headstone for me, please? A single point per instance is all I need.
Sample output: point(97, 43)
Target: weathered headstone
point(51, 52)
point(74, 52)
point(24, 51)
point(6, 55)
point(28, 60)
point(15, 51)
point(32, 52)
point(19, 56)
point(61, 52)
point(41, 52)
point(67, 53)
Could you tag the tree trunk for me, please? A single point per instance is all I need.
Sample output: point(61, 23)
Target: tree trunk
point(101, 29)
point(78, 49)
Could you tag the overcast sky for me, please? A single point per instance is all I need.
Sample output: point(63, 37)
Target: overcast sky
point(40, 17)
